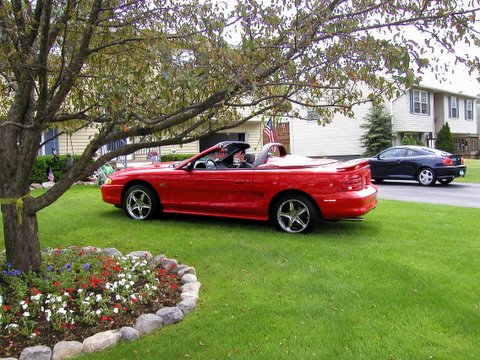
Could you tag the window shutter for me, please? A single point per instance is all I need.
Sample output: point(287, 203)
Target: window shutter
point(428, 102)
point(450, 107)
point(411, 101)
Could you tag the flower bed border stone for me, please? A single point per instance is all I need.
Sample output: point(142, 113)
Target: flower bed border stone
point(145, 323)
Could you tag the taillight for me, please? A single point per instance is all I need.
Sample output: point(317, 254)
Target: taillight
point(352, 183)
point(447, 161)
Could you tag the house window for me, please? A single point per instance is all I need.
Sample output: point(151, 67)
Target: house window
point(453, 105)
point(468, 109)
point(312, 115)
point(420, 102)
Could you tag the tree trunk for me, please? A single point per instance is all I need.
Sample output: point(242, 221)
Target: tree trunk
point(21, 240)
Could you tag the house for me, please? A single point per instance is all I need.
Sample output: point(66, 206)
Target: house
point(419, 113)
point(422, 112)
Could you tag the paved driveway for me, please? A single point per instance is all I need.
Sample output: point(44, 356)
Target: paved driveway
point(455, 193)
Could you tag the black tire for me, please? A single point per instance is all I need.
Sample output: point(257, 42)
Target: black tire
point(426, 177)
point(445, 181)
point(141, 202)
point(295, 214)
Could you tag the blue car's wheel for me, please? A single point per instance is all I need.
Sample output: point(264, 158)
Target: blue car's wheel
point(426, 177)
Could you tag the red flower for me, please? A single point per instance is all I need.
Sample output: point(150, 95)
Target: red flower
point(70, 290)
point(34, 291)
point(104, 318)
point(6, 307)
point(56, 283)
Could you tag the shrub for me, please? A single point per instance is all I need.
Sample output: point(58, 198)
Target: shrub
point(175, 157)
point(445, 140)
point(43, 163)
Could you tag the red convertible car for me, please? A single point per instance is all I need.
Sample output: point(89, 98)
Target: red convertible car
point(226, 181)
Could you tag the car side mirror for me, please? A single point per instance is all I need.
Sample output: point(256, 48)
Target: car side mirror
point(189, 166)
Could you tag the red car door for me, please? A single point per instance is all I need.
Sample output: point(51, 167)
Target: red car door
point(211, 191)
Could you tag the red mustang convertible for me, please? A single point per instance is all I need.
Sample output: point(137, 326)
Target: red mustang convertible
point(225, 180)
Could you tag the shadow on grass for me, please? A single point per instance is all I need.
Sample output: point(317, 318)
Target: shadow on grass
point(337, 230)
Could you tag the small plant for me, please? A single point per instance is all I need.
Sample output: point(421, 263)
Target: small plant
point(445, 140)
point(378, 130)
point(76, 294)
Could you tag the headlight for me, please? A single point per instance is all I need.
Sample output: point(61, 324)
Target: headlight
point(108, 181)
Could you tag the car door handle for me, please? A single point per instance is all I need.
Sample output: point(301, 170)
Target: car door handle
point(239, 181)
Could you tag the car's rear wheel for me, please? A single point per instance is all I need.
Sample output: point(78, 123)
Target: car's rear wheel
point(426, 177)
point(141, 202)
point(445, 181)
point(295, 214)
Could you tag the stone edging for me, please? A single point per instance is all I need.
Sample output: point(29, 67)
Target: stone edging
point(145, 324)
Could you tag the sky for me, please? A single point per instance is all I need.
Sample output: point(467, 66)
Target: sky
point(459, 80)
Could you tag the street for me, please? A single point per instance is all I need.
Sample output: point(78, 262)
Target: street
point(455, 193)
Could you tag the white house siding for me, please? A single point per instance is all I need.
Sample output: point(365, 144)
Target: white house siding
point(339, 138)
point(74, 145)
point(252, 130)
point(459, 125)
point(405, 121)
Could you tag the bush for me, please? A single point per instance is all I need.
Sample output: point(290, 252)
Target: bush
point(43, 163)
point(378, 130)
point(175, 157)
point(445, 140)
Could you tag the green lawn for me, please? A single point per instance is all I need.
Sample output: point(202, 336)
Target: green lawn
point(473, 171)
point(402, 285)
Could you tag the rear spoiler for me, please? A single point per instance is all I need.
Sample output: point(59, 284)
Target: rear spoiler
point(353, 165)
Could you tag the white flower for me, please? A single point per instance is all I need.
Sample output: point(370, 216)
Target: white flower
point(98, 312)
point(80, 291)
point(26, 314)
point(98, 297)
point(48, 314)
point(117, 297)
point(61, 311)
point(115, 310)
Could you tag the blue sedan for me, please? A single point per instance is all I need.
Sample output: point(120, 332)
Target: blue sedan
point(420, 163)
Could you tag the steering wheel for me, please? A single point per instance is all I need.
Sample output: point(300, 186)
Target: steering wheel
point(211, 164)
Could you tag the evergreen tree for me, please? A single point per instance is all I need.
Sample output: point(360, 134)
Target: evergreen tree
point(378, 126)
point(445, 140)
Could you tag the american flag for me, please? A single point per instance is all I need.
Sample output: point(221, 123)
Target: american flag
point(268, 130)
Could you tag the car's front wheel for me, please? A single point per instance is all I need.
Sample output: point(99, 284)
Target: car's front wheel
point(141, 202)
point(426, 177)
point(295, 214)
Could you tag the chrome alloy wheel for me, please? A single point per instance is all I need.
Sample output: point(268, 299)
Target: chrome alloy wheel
point(426, 177)
point(293, 216)
point(138, 204)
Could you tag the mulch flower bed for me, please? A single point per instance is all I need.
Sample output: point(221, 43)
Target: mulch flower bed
point(77, 294)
